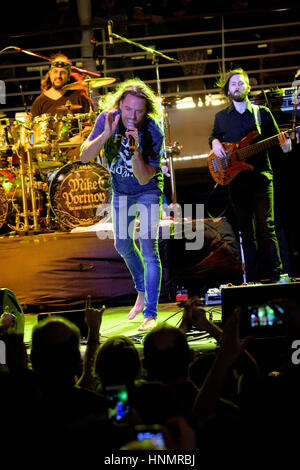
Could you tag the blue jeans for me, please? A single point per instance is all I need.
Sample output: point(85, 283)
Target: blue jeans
point(143, 262)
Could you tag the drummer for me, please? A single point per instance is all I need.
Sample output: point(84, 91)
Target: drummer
point(53, 96)
point(55, 100)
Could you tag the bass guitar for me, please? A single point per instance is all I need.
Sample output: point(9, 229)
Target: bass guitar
point(225, 169)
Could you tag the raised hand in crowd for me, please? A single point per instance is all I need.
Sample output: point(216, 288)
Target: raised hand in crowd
point(195, 316)
point(231, 348)
point(7, 320)
point(93, 319)
point(179, 435)
point(12, 333)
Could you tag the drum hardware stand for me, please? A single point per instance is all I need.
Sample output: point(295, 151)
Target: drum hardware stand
point(89, 93)
point(24, 214)
point(48, 215)
point(80, 124)
point(169, 152)
point(35, 213)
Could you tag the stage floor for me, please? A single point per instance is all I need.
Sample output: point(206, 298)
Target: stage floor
point(115, 322)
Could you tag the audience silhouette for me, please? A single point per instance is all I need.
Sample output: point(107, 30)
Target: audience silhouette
point(58, 393)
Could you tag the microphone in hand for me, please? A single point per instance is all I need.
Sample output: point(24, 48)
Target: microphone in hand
point(131, 139)
point(131, 142)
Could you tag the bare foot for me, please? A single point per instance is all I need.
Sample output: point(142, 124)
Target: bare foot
point(138, 307)
point(148, 324)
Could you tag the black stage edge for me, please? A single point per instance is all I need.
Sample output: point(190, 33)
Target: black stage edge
point(55, 270)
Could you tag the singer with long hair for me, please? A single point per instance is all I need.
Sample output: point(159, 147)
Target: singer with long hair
point(128, 134)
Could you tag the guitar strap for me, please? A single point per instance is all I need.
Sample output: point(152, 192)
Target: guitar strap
point(257, 117)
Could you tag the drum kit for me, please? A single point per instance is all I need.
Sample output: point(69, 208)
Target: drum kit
point(43, 185)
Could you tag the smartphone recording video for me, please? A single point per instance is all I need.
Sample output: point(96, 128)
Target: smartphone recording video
point(118, 405)
point(152, 433)
point(264, 315)
point(262, 308)
point(263, 320)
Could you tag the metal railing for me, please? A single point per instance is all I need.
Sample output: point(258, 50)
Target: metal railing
point(269, 52)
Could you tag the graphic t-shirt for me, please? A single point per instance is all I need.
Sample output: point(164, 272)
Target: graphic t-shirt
point(119, 158)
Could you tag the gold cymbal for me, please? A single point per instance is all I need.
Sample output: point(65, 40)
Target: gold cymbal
point(2, 115)
point(49, 164)
point(91, 82)
point(69, 106)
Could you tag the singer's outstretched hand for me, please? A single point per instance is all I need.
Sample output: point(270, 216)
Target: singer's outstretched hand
point(111, 122)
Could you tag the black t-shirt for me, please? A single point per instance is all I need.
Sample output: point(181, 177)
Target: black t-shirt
point(42, 104)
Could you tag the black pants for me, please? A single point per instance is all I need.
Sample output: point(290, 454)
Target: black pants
point(251, 195)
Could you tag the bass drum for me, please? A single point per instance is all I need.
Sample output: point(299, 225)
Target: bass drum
point(76, 192)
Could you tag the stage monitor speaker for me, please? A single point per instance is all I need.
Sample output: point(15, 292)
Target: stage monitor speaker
point(10, 303)
point(258, 318)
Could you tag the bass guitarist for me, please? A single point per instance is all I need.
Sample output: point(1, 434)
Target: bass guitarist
point(250, 192)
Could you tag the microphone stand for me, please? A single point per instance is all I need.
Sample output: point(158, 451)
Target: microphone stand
point(73, 67)
point(294, 116)
point(167, 152)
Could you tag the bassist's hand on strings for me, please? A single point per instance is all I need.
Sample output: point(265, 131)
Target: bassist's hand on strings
point(218, 148)
point(284, 142)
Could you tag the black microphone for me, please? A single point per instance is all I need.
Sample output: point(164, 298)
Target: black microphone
point(110, 36)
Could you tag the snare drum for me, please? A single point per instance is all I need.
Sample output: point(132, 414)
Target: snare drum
point(76, 192)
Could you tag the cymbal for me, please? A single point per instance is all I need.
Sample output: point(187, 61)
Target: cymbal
point(91, 82)
point(2, 115)
point(69, 106)
point(49, 164)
